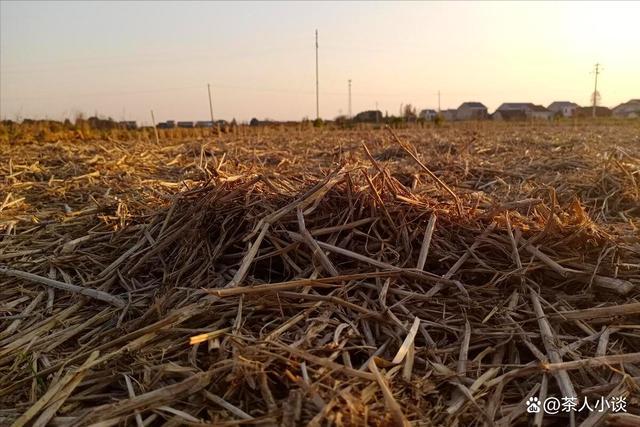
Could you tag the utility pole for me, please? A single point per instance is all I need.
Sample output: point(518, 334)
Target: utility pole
point(377, 115)
point(595, 90)
point(155, 128)
point(438, 101)
point(350, 116)
point(210, 104)
point(317, 87)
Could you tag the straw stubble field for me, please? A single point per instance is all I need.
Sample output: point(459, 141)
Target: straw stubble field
point(436, 276)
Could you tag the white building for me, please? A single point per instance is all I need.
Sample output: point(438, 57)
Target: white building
point(472, 111)
point(566, 108)
point(428, 115)
point(528, 109)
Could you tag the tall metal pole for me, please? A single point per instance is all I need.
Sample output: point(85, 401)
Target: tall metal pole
point(438, 101)
point(210, 107)
point(210, 103)
point(155, 128)
point(595, 91)
point(317, 87)
point(350, 116)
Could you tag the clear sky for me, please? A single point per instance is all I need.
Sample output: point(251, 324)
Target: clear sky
point(123, 59)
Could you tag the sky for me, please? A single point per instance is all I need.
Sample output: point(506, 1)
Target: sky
point(123, 59)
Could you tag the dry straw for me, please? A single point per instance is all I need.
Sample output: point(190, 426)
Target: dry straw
point(429, 277)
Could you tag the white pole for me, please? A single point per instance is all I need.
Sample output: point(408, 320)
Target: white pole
point(317, 86)
point(155, 128)
point(350, 116)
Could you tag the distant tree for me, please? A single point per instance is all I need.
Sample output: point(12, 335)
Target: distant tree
point(409, 112)
point(254, 122)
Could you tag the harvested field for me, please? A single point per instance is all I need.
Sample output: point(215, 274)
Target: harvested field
point(437, 276)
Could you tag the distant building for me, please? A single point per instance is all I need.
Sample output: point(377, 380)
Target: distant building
point(185, 124)
point(540, 113)
point(169, 124)
point(449, 115)
point(428, 115)
point(563, 108)
point(102, 124)
point(129, 125)
point(370, 116)
point(471, 111)
point(588, 112)
point(509, 115)
point(629, 109)
point(204, 124)
point(530, 111)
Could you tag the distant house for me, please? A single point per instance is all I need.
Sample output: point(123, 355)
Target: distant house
point(207, 123)
point(370, 116)
point(530, 111)
point(509, 115)
point(629, 109)
point(564, 108)
point(471, 111)
point(449, 115)
point(428, 115)
point(540, 113)
point(185, 124)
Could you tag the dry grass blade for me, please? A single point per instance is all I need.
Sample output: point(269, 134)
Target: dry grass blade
point(407, 343)
point(392, 404)
point(92, 293)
